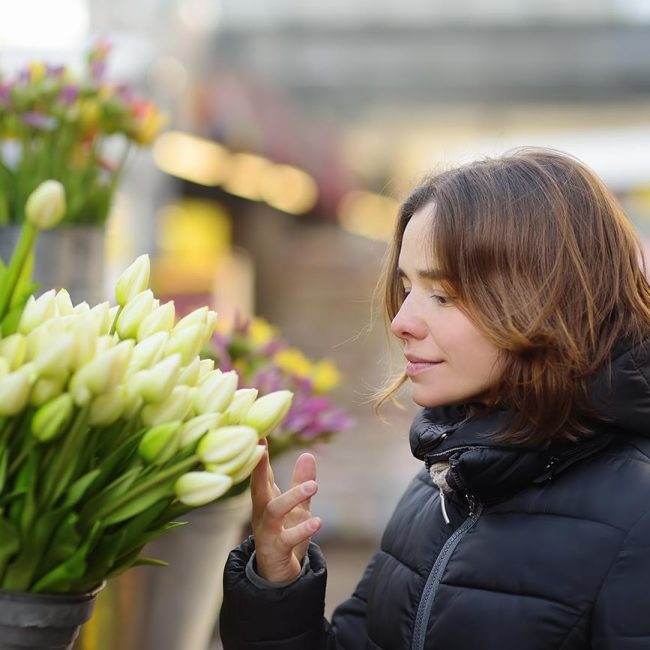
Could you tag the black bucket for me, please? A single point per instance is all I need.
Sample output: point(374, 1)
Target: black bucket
point(43, 621)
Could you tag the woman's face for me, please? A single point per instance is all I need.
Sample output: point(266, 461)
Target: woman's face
point(449, 360)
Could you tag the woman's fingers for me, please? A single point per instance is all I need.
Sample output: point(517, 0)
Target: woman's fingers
point(304, 470)
point(297, 535)
point(263, 487)
point(280, 506)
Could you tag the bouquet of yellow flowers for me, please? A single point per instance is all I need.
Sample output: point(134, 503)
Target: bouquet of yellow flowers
point(75, 129)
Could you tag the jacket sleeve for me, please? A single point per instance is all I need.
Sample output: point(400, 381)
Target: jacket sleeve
point(290, 617)
point(620, 618)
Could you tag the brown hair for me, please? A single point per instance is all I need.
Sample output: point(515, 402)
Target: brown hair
point(538, 252)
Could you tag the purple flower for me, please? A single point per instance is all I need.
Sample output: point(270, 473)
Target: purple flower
point(5, 93)
point(98, 70)
point(69, 94)
point(39, 121)
point(55, 71)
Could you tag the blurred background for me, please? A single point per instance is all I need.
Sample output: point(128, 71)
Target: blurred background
point(294, 129)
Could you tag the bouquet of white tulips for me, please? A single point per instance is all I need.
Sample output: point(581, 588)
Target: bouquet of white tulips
point(111, 425)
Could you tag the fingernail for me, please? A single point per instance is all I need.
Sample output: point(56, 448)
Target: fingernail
point(309, 487)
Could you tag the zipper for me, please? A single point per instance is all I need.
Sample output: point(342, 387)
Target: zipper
point(435, 575)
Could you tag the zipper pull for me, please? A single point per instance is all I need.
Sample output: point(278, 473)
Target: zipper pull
point(471, 502)
point(443, 507)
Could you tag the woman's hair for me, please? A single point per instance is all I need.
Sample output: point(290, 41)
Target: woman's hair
point(539, 254)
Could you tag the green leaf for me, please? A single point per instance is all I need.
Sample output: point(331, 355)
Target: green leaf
point(149, 561)
point(59, 578)
point(34, 544)
point(24, 286)
point(10, 543)
point(137, 505)
point(4, 462)
point(112, 492)
point(79, 487)
point(10, 322)
point(123, 563)
point(110, 461)
point(9, 497)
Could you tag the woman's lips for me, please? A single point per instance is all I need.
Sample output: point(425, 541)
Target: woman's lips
point(416, 367)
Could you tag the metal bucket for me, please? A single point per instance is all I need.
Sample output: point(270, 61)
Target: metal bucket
point(42, 621)
point(70, 257)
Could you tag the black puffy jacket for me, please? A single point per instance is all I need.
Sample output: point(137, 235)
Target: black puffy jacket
point(544, 549)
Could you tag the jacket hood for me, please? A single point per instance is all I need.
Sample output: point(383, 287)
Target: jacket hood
point(491, 470)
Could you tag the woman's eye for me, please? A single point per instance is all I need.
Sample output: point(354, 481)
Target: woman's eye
point(441, 300)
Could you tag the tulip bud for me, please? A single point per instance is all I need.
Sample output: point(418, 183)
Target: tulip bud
point(187, 342)
point(51, 419)
point(45, 389)
point(228, 447)
point(197, 427)
point(13, 350)
point(215, 392)
point(63, 303)
point(155, 384)
point(85, 335)
point(241, 402)
point(106, 342)
point(107, 408)
point(132, 402)
point(160, 319)
point(101, 315)
point(112, 315)
point(102, 374)
point(134, 312)
point(134, 280)
point(37, 311)
point(81, 308)
point(45, 206)
point(14, 390)
point(54, 359)
point(160, 443)
point(206, 366)
point(149, 351)
point(248, 467)
point(189, 375)
point(35, 341)
point(196, 317)
point(176, 407)
point(196, 489)
point(268, 411)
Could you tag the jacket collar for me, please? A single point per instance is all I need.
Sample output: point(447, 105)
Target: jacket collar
point(479, 466)
point(490, 470)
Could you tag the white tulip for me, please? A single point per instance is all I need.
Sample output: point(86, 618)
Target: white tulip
point(45, 206)
point(215, 392)
point(132, 281)
point(37, 311)
point(200, 488)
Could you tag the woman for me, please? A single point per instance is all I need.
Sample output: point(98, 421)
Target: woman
point(516, 290)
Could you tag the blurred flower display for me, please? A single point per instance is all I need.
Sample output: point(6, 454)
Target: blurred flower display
point(77, 129)
point(266, 362)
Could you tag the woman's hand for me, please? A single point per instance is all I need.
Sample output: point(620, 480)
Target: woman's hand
point(282, 522)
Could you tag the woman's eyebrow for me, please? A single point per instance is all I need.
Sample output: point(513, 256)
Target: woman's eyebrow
point(425, 274)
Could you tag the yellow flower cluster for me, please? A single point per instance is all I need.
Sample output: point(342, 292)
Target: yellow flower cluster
point(323, 374)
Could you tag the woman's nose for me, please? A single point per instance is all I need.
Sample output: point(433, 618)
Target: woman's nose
point(407, 324)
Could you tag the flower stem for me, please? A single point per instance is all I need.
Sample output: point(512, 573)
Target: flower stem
point(28, 234)
point(153, 482)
